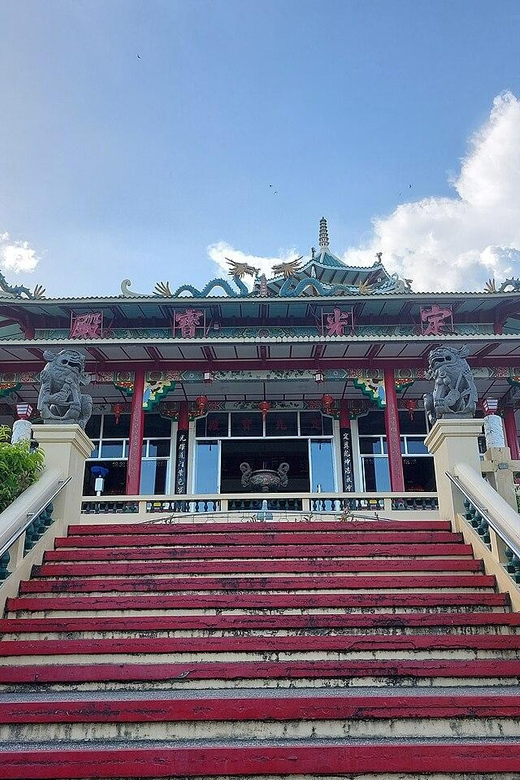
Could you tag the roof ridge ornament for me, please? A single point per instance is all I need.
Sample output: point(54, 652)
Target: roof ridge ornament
point(324, 233)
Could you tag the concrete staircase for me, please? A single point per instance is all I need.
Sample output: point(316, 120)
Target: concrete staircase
point(299, 650)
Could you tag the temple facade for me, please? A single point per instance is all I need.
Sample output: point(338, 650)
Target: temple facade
point(308, 382)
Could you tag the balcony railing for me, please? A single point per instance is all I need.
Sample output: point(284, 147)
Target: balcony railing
point(143, 508)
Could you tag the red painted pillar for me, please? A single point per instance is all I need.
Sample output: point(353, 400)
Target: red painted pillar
point(181, 459)
point(511, 432)
point(393, 435)
point(135, 444)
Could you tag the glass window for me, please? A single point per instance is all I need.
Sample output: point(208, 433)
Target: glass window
point(153, 477)
point(116, 430)
point(327, 425)
point(311, 423)
point(246, 424)
point(369, 445)
point(417, 425)
point(93, 426)
point(115, 481)
point(322, 467)
point(376, 475)
point(282, 424)
point(372, 423)
point(419, 474)
point(217, 424)
point(159, 448)
point(156, 426)
point(416, 446)
point(95, 451)
point(112, 449)
point(206, 467)
point(200, 427)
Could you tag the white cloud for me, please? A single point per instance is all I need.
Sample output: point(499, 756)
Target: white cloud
point(17, 256)
point(458, 243)
point(221, 252)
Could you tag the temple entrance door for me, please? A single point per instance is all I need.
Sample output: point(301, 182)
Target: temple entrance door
point(265, 454)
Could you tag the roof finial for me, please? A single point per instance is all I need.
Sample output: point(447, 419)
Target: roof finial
point(324, 233)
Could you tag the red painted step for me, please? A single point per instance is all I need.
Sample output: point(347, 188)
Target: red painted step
point(353, 707)
point(257, 566)
point(258, 540)
point(280, 644)
point(311, 622)
point(240, 601)
point(323, 758)
point(258, 584)
point(259, 670)
point(312, 526)
point(288, 551)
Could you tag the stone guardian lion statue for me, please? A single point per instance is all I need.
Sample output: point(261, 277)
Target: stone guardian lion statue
point(60, 399)
point(454, 392)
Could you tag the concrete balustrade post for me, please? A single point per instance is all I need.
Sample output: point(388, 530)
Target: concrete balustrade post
point(452, 442)
point(66, 448)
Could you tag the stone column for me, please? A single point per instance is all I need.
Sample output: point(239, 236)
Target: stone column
point(393, 434)
point(181, 454)
point(66, 448)
point(135, 444)
point(451, 442)
point(511, 432)
point(345, 435)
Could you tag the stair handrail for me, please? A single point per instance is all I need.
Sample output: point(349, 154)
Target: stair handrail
point(55, 476)
point(493, 518)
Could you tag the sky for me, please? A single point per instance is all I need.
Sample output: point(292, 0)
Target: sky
point(150, 139)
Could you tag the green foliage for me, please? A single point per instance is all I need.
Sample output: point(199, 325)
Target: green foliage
point(19, 467)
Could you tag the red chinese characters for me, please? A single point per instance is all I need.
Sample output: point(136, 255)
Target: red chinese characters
point(337, 322)
point(436, 320)
point(188, 321)
point(86, 326)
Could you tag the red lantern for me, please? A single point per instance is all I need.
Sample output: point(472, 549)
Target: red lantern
point(202, 404)
point(411, 406)
point(117, 410)
point(264, 407)
point(327, 401)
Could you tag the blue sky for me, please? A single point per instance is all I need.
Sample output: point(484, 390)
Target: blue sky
point(136, 135)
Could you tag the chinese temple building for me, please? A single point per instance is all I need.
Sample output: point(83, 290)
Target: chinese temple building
point(309, 382)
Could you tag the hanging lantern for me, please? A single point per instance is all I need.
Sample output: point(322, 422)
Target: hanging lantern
point(264, 407)
point(327, 402)
point(24, 411)
point(117, 410)
point(410, 405)
point(202, 404)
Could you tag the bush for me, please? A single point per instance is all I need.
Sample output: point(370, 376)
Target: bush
point(19, 467)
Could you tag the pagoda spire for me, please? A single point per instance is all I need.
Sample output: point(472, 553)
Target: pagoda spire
point(324, 233)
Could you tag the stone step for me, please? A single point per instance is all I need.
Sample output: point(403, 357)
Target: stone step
point(258, 541)
point(259, 568)
point(277, 673)
point(283, 552)
point(281, 758)
point(417, 523)
point(261, 584)
point(314, 624)
point(404, 601)
point(258, 645)
point(260, 716)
